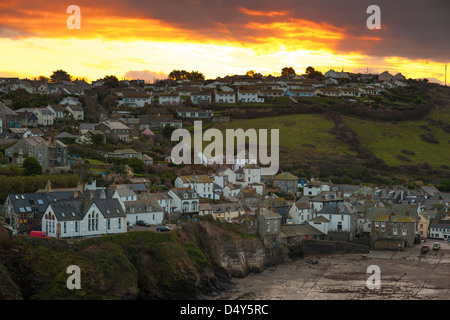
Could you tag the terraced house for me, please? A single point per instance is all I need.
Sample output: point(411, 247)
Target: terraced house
point(50, 153)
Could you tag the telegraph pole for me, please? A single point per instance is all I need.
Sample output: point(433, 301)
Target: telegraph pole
point(445, 74)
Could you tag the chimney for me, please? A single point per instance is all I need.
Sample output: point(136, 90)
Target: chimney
point(407, 213)
point(80, 187)
point(91, 194)
point(75, 195)
point(48, 187)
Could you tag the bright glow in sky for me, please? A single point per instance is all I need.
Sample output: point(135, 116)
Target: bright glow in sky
point(37, 42)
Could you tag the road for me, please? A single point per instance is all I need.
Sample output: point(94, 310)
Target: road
point(405, 275)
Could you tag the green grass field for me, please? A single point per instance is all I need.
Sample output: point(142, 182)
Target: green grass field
point(387, 140)
point(301, 136)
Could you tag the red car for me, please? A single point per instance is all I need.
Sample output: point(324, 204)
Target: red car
point(424, 249)
point(39, 234)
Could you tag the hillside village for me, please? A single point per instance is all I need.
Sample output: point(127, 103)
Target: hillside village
point(282, 209)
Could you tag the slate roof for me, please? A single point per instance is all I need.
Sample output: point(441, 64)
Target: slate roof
point(285, 176)
point(268, 214)
point(196, 178)
point(299, 230)
point(340, 208)
point(142, 206)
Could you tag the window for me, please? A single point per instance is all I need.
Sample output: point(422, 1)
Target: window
point(404, 231)
point(65, 227)
point(76, 226)
point(120, 223)
point(109, 224)
point(394, 231)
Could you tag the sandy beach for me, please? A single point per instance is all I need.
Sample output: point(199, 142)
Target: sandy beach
point(404, 275)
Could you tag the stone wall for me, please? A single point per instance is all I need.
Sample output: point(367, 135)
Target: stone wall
point(276, 255)
point(338, 236)
point(388, 244)
point(313, 247)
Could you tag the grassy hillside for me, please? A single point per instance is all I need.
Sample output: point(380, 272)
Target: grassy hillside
point(302, 136)
point(387, 140)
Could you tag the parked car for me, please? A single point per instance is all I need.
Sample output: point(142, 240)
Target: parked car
point(436, 246)
point(424, 249)
point(142, 223)
point(39, 234)
point(163, 229)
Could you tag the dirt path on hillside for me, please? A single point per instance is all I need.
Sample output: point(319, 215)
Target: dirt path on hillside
point(404, 276)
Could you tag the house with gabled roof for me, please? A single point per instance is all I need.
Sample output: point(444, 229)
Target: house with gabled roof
point(148, 211)
point(395, 227)
point(8, 118)
point(269, 225)
point(201, 184)
point(49, 153)
point(114, 130)
point(286, 182)
point(83, 218)
point(184, 200)
point(342, 216)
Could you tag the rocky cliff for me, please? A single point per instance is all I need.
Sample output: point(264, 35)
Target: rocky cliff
point(197, 261)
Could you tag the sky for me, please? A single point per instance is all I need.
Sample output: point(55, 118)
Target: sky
point(148, 39)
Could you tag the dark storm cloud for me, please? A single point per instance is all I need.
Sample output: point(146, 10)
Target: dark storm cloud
point(414, 29)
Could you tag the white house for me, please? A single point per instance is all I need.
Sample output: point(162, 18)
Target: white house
point(71, 101)
point(230, 191)
point(252, 174)
point(225, 97)
point(248, 96)
point(144, 210)
point(342, 217)
point(162, 198)
point(440, 230)
point(44, 116)
point(184, 200)
point(83, 218)
point(224, 176)
point(320, 223)
point(200, 97)
point(315, 187)
point(169, 99)
point(76, 111)
point(300, 212)
point(201, 184)
point(58, 111)
point(135, 99)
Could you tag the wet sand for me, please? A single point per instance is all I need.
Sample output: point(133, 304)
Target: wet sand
point(405, 275)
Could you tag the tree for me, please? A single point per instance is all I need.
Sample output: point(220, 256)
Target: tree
point(95, 140)
point(111, 81)
point(60, 75)
point(136, 164)
point(185, 75)
point(287, 71)
point(167, 131)
point(32, 166)
point(313, 74)
point(250, 73)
